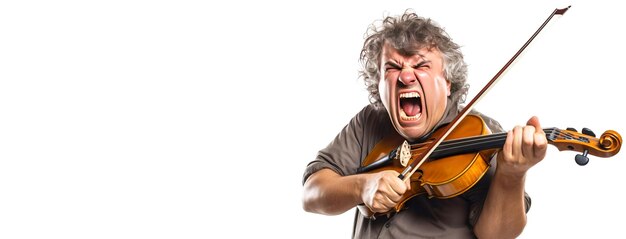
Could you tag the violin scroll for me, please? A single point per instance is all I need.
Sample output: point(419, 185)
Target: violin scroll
point(611, 141)
point(606, 146)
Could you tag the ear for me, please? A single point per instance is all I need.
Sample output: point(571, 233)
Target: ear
point(448, 85)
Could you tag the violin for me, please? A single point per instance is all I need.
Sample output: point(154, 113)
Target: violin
point(463, 157)
point(456, 155)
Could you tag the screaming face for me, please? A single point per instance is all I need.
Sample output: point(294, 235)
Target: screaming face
point(413, 90)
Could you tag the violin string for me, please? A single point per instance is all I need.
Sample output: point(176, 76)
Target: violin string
point(450, 146)
point(462, 141)
point(473, 141)
point(479, 138)
point(569, 135)
point(497, 136)
point(467, 142)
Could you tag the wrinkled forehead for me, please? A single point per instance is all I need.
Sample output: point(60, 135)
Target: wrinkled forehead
point(408, 47)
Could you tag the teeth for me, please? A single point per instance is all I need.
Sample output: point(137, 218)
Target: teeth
point(403, 116)
point(411, 117)
point(409, 95)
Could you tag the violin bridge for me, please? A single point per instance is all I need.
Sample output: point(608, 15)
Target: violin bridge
point(404, 154)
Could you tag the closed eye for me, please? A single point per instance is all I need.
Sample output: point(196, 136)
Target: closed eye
point(423, 64)
point(392, 66)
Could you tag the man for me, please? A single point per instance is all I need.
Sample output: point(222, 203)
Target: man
point(416, 78)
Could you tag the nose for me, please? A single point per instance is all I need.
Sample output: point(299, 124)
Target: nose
point(407, 77)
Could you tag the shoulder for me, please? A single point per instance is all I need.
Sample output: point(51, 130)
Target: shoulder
point(491, 123)
point(372, 114)
point(374, 110)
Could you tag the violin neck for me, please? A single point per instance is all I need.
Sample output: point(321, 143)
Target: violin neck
point(474, 144)
point(458, 146)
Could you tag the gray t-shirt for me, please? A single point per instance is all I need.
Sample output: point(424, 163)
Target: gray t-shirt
point(422, 217)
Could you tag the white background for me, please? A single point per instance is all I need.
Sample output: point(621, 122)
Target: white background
point(187, 119)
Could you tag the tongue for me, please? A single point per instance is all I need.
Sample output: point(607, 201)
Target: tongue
point(411, 107)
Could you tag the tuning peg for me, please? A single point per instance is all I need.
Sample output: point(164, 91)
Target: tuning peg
point(571, 129)
point(587, 131)
point(582, 159)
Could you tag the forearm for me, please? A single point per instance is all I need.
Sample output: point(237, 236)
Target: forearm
point(504, 213)
point(327, 192)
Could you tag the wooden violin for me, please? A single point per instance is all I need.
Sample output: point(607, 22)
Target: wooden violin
point(463, 157)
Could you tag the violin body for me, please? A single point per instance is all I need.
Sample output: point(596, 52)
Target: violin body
point(441, 178)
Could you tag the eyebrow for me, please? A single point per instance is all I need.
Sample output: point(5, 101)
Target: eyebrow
point(422, 63)
point(392, 64)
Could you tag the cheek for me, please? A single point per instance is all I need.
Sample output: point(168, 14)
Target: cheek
point(385, 86)
point(386, 89)
point(439, 91)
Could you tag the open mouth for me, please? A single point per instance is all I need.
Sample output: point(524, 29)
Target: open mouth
point(410, 106)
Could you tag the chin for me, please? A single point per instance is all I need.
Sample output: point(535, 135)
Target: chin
point(412, 135)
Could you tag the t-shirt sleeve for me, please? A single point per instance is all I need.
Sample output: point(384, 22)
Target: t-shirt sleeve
point(343, 154)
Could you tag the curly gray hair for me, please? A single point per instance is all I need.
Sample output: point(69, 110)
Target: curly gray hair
point(409, 33)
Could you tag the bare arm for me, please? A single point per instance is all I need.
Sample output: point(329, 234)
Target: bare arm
point(327, 192)
point(504, 213)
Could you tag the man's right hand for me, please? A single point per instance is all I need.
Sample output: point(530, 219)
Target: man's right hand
point(382, 191)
